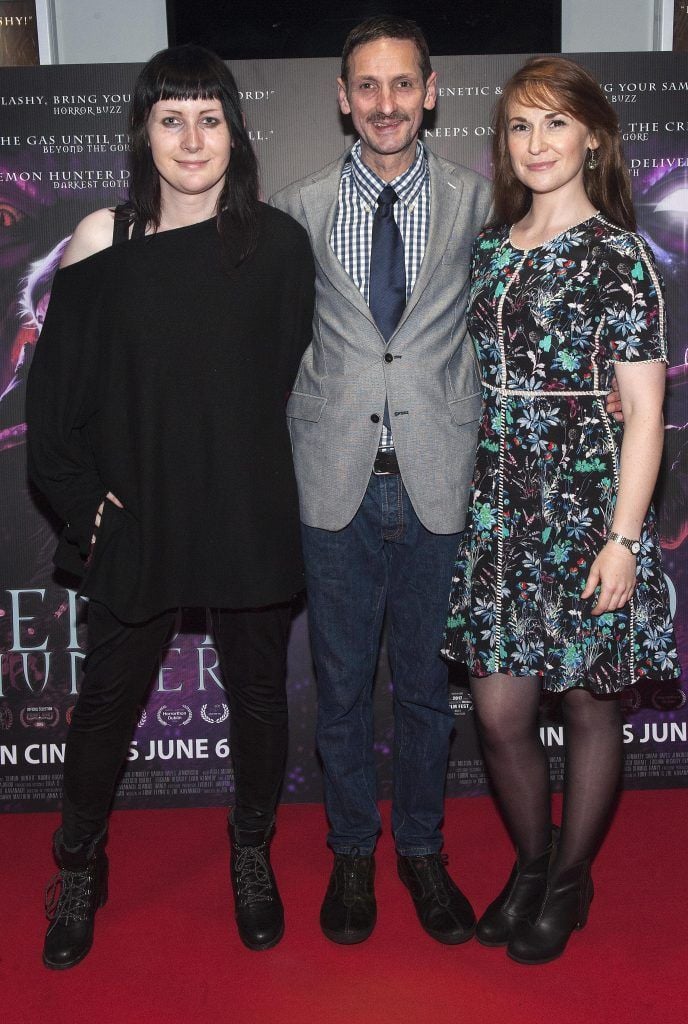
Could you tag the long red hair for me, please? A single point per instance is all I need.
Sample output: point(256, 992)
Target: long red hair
point(562, 85)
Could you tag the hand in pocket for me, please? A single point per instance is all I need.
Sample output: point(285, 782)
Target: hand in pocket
point(99, 514)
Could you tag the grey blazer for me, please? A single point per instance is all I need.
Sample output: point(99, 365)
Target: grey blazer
point(431, 384)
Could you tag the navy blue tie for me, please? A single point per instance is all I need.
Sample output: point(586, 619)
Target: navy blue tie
point(387, 287)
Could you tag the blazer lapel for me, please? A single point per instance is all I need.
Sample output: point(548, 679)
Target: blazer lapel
point(445, 199)
point(319, 200)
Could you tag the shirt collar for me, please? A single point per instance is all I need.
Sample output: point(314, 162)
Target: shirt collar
point(407, 185)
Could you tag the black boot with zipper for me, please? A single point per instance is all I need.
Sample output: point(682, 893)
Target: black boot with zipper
point(564, 909)
point(520, 898)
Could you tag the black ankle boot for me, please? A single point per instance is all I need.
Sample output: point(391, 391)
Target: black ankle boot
point(349, 910)
point(72, 898)
point(520, 898)
point(442, 909)
point(565, 907)
point(257, 905)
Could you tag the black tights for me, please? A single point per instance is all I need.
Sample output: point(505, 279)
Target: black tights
point(252, 646)
point(507, 712)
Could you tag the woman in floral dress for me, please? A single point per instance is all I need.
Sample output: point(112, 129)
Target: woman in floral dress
point(558, 582)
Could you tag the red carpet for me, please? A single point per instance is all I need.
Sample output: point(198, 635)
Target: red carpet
point(166, 951)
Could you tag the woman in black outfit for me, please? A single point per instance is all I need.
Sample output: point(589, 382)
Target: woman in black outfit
point(157, 431)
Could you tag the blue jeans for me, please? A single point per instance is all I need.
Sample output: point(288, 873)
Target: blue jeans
point(384, 558)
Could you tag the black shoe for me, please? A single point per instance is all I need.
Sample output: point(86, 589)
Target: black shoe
point(564, 908)
point(442, 908)
point(257, 905)
point(71, 900)
point(520, 898)
point(349, 911)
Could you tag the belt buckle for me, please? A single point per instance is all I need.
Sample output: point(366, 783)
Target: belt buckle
point(386, 463)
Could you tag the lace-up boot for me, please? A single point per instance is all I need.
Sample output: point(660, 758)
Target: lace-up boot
point(257, 905)
point(442, 909)
point(349, 911)
point(72, 898)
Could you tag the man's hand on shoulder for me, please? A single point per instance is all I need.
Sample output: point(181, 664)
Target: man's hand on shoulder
point(91, 235)
point(614, 402)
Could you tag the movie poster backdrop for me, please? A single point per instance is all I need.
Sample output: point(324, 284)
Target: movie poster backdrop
point(18, 33)
point(63, 153)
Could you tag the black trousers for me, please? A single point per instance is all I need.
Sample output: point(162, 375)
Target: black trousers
point(121, 658)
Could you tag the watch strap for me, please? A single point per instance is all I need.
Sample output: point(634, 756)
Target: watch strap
point(632, 545)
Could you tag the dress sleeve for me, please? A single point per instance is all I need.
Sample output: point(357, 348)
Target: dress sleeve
point(61, 399)
point(632, 295)
point(298, 278)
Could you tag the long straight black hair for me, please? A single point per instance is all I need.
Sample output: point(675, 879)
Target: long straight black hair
point(191, 72)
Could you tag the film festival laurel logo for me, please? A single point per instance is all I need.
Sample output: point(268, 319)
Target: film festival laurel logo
point(631, 700)
point(214, 714)
point(39, 716)
point(461, 702)
point(174, 716)
point(668, 698)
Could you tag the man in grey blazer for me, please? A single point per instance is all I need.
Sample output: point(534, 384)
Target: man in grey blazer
point(383, 424)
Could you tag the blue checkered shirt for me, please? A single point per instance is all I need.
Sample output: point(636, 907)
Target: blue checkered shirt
point(352, 234)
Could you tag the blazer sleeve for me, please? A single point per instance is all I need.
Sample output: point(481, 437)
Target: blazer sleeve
point(61, 398)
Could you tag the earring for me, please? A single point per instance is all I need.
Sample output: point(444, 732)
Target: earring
point(592, 161)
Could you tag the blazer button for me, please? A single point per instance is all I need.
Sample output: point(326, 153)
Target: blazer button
point(375, 418)
point(389, 358)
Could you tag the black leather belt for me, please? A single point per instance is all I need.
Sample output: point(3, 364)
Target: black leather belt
point(386, 463)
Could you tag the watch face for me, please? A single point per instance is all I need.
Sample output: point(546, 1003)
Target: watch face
point(635, 547)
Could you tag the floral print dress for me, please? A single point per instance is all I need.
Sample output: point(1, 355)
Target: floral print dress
point(548, 325)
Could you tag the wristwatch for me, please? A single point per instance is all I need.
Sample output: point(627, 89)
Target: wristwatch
point(632, 545)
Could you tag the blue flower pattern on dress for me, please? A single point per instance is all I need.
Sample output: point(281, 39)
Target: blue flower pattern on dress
point(548, 325)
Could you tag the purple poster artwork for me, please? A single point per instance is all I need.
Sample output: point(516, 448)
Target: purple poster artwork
point(63, 153)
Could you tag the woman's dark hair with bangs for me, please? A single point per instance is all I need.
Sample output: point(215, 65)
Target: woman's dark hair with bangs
point(564, 86)
point(191, 72)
